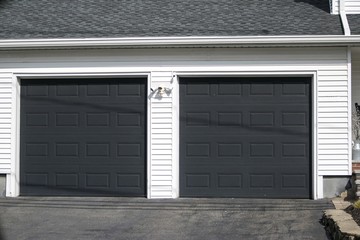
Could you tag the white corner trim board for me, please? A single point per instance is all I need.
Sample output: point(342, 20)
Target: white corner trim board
point(336, 40)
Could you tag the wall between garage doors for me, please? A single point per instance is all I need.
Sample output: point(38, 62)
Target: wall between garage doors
point(331, 100)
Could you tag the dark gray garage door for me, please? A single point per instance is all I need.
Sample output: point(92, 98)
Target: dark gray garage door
point(245, 137)
point(83, 137)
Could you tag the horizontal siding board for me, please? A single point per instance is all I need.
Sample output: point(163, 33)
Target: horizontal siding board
point(333, 146)
point(161, 157)
point(160, 141)
point(157, 172)
point(161, 120)
point(161, 177)
point(337, 167)
point(155, 115)
point(161, 152)
point(5, 150)
point(158, 130)
point(333, 162)
point(163, 146)
point(333, 120)
point(5, 168)
point(332, 141)
point(334, 110)
point(332, 99)
point(333, 157)
point(325, 105)
point(161, 182)
point(335, 151)
point(328, 114)
point(332, 94)
point(336, 89)
point(333, 78)
point(340, 83)
point(161, 125)
point(163, 188)
point(333, 136)
point(333, 73)
point(332, 125)
point(331, 130)
point(156, 109)
point(161, 166)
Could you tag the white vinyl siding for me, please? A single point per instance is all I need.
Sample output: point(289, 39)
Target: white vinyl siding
point(161, 137)
point(5, 122)
point(351, 6)
point(327, 65)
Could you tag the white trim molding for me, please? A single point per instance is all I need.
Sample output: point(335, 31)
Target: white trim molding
point(301, 40)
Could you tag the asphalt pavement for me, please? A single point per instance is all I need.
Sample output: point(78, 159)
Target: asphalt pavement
point(137, 218)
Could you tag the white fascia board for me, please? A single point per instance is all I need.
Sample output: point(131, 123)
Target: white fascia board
point(333, 40)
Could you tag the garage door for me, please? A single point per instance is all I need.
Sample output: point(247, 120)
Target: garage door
point(83, 137)
point(245, 137)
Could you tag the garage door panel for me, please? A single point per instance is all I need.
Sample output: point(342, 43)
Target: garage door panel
point(242, 119)
point(59, 119)
point(83, 150)
point(111, 179)
point(245, 137)
point(85, 137)
point(245, 181)
point(66, 92)
point(249, 91)
point(259, 149)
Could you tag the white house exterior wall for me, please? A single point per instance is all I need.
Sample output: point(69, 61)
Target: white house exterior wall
point(5, 121)
point(331, 90)
point(351, 6)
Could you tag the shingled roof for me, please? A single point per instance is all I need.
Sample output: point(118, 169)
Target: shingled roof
point(22, 19)
point(354, 24)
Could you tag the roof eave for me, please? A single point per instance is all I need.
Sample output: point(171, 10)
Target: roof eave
point(235, 41)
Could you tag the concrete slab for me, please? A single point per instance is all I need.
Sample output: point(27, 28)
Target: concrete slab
point(340, 203)
point(136, 218)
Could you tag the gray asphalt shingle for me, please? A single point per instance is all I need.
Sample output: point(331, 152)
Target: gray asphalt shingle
point(354, 23)
point(152, 18)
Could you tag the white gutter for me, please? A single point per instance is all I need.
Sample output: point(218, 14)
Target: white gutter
point(343, 18)
point(333, 40)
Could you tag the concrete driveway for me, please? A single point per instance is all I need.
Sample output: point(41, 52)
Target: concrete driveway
point(136, 218)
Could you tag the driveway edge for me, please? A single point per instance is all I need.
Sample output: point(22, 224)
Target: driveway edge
point(339, 224)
